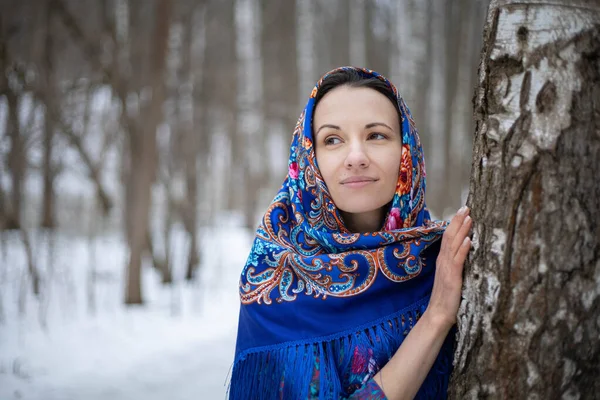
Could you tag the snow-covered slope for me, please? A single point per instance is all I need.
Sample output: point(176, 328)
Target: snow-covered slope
point(69, 344)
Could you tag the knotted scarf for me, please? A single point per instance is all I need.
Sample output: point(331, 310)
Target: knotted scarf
point(314, 292)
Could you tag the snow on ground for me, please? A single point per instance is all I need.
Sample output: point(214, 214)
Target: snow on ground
point(178, 346)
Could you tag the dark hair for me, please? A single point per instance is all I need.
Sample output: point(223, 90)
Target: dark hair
point(354, 79)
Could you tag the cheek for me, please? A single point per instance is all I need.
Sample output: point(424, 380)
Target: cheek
point(390, 163)
point(326, 163)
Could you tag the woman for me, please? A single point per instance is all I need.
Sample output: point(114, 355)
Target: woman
point(350, 290)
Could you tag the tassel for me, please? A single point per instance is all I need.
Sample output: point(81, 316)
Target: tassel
point(286, 371)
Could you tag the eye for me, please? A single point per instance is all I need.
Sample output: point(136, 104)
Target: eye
point(332, 140)
point(377, 136)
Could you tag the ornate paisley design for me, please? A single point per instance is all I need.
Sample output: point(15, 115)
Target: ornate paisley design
point(302, 247)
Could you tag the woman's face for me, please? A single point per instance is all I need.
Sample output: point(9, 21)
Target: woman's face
point(358, 148)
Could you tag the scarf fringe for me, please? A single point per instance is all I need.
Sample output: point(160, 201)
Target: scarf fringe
point(285, 371)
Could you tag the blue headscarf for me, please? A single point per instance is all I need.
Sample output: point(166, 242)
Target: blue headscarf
point(312, 291)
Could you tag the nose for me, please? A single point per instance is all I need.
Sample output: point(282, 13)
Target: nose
point(357, 157)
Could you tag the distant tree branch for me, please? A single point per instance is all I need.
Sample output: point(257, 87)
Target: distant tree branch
point(92, 51)
point(75, 140)
point(89, 48)
point(92, 167)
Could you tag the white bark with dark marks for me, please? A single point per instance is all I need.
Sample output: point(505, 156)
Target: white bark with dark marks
point(530, 319)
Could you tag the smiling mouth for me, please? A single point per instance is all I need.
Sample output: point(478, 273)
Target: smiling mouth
point(357, 183)
point(353, 179)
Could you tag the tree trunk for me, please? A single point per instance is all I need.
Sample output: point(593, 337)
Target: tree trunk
point(50, 100)
point(219, 86)
point(378, 36)
point(306, 46)
point(338, 48)
point(435, 126)
point(250, 135)
point(4, 208)
point(416, 42)
point(358, 33)
point(190, 140)
point(279, 70)
point(16, 160)
point(48, 220)
point(331, 21)
point(142, 148)
point(529, 325)
point(31, 264)
point(201, 99)
point(458, 16)
point(463, 125)
point(17, 163)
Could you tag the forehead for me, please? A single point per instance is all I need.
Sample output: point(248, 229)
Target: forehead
point(345, 104)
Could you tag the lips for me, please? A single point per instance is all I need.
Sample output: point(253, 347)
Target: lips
point(357, 182)
point(358, 179)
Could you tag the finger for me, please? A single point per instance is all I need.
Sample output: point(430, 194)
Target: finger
point(451, 231)
point(462, 233)
point(462, 252)
point(456, 222)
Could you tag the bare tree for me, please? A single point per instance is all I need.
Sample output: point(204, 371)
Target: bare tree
point(89, 48)
point(199, 133)
point(15, 161)
point(459, 124)
point(332, 47)
point(439, 91)
point(410, 61)
point(4, 213)
point(250, 133)
point(378, 35)
point(179, 158)
point(529, 321)
point(225, 80)
point(17, 158)
point(219, 94)
point(191, 142)
point(306, 37)
point(456, 12)
point(280, 78)
point(358, 33)
point(143, 155)
point(50, 96)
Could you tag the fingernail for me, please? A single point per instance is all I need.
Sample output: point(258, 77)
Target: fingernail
point(462, 210)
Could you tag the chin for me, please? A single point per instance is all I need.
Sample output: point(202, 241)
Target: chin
point(360, 207)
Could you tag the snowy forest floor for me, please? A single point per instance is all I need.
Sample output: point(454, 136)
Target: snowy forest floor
point(67, 344)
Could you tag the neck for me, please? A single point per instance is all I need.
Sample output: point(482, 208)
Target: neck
point(370, 221)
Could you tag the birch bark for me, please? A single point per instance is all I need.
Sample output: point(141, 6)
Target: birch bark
point(530, 319)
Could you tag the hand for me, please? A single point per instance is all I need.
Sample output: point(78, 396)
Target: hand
point(447, 284)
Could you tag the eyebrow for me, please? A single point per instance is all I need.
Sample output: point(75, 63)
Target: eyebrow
point(373, 124)
point(327, 126)
point(368, 126)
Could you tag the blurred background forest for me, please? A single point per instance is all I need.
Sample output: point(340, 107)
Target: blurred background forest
point(137, 135)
